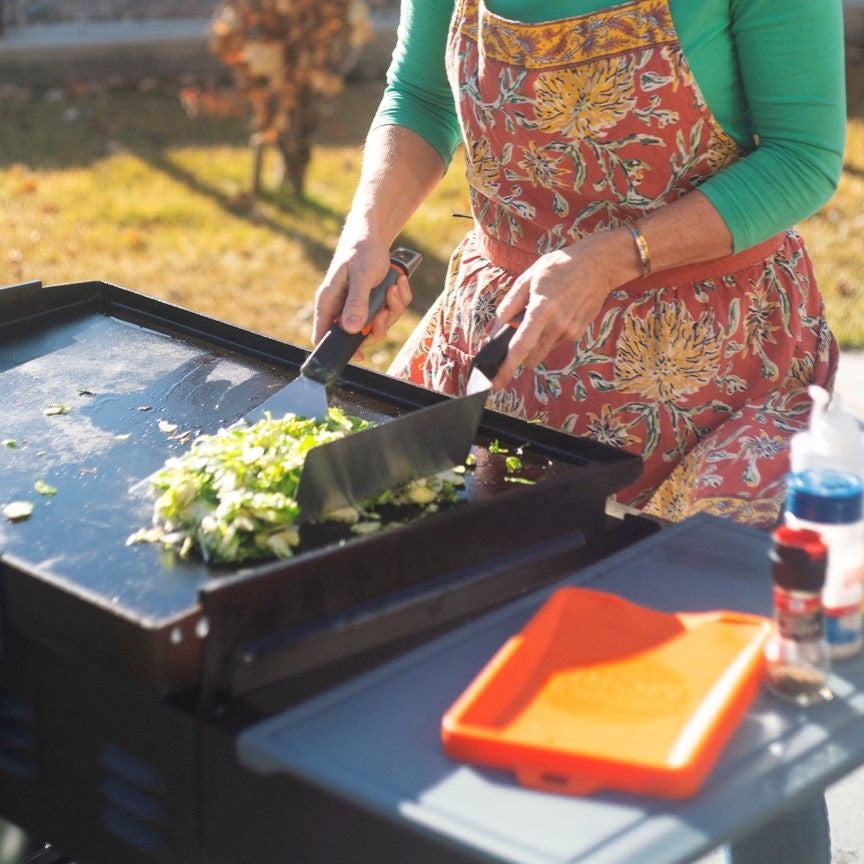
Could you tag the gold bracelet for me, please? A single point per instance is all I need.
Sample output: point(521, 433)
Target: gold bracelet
point(642, 249)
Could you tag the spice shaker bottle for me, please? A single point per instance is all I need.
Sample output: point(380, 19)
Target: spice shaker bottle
point(797, 657)
point(830, 503)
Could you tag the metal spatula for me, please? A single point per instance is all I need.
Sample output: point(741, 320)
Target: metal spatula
point(306, 395)
point(419, 444)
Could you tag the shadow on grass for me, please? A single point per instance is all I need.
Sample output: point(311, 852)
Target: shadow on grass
point(316, 252)
point(75, 132)
point(425, 285)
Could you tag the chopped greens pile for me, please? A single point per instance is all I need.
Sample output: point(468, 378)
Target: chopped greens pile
point(233, 495)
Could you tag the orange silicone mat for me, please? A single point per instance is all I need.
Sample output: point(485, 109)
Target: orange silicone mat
point(598, 692)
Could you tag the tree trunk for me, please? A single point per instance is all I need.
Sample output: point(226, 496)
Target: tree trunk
point(295, 143)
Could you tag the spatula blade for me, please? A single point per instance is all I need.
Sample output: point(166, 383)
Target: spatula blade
point(303, 397)
point(365, 464)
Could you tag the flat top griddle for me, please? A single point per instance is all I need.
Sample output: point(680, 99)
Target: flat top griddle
point(122, 363)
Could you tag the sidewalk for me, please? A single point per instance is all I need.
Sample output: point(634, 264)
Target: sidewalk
point(850, 382)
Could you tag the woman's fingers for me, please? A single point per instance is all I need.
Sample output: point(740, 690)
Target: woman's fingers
point(329, 300)
point(344, 295)
point(535, 337)
point(560, 295)
point(398, 299)
point(363, 277)
point(344, 292)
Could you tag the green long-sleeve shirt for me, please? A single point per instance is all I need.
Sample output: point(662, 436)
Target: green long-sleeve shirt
point(771, 71)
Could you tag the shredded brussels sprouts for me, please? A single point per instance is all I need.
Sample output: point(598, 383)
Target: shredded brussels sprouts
point(233, 495)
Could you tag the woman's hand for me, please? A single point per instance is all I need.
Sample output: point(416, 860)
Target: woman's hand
point(357, 267)
point(561, 293)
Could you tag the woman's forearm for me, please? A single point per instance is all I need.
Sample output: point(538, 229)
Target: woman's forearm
point(399, 171)
point(687, 231)
point(564, 291)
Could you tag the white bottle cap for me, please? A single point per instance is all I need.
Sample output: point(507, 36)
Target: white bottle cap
point(834, 439)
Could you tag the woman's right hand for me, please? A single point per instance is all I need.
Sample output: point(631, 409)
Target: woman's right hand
point(356, 268)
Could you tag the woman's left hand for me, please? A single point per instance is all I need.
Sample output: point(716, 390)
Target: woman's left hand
point(561, 293)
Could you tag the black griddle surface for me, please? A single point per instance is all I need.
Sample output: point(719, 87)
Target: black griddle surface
point(119, 380)
point(105, 444)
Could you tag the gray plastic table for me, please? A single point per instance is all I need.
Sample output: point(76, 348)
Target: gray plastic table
point(375, 740)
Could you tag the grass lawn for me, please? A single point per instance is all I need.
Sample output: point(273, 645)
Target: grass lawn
point(122, 186)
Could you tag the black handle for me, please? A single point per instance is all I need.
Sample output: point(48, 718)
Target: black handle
point(332, 354)
point(490, 357)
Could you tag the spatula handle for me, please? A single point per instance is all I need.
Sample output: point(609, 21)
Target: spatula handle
point(335, 350)
point(490, 357)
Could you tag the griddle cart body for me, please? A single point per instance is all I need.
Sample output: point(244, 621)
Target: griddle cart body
point(123, 667)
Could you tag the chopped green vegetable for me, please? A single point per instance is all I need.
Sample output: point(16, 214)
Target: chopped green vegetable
point(523, 480)
point(470, 460)
point(43, 488)
point(9, 442)
point(15, 511)
point(233, 495)
point(513, 464)
point(496, 447)
point(59, 408)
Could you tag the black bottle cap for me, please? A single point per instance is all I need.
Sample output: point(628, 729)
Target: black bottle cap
point(798, 559)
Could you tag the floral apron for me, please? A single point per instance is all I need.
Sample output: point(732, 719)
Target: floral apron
point(585, 124)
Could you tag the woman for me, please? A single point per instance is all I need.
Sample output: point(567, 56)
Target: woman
point(633, 172)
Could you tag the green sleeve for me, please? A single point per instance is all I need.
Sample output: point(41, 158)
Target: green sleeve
point(791, 60)
point(418, 94)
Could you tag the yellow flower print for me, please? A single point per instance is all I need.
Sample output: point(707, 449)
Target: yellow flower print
point(482, 169)
point(672, 499)
point(722, 150)
point(606, 429)
point(667, 354)
point(801, 372)
point(540, 167)
point(584, 100)
point(758, 512)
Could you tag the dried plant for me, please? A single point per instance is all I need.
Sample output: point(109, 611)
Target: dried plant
point(286, 56)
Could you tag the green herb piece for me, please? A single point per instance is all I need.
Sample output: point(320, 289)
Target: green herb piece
point(523, 480)
point(513, 464)
point(43, 488)
point(10, 443)
point(470, 460)
point(15, 511)
point(59, 408)
point(496, 447)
